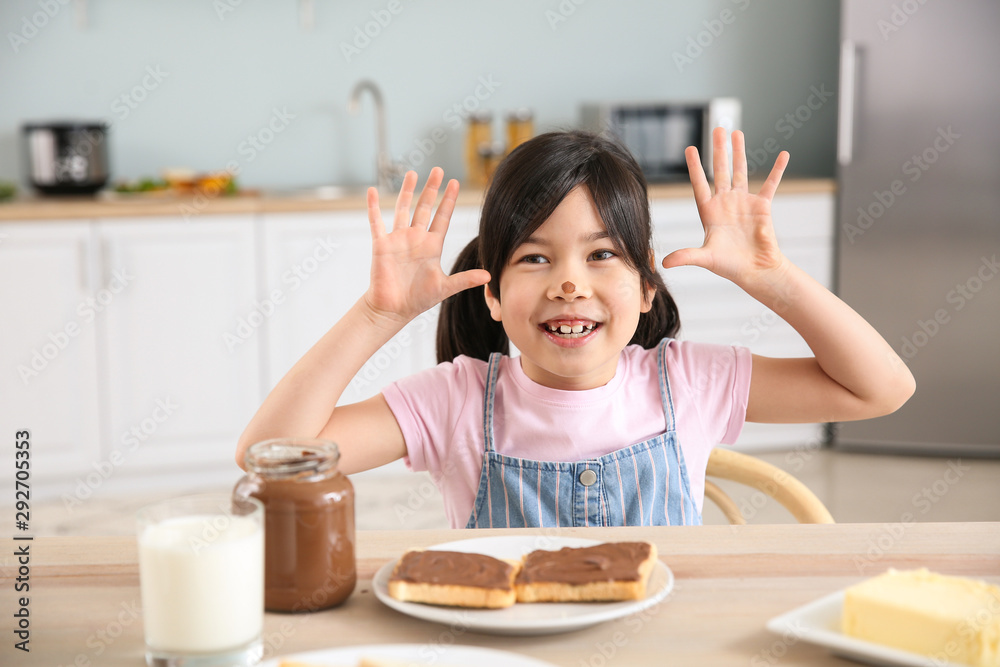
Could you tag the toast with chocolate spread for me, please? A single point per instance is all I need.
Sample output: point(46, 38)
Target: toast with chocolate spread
point(604, 572)
point(454, 578)
point(600, 573)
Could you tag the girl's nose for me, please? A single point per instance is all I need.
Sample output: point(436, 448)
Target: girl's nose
point(568, 290)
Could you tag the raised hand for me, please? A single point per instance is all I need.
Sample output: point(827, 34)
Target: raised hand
point(739, 235)
point(406, 275)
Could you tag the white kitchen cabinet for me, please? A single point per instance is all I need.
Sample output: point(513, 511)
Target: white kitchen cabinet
point(316, 266)
point(714, 310)
point(182, 374)
point(48, 344)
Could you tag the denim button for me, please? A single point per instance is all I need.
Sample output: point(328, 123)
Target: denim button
point(588, 477)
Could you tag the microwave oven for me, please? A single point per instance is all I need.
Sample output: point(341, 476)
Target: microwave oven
point(656, 133)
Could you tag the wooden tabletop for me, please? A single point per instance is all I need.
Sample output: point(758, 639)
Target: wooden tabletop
point(85, 607)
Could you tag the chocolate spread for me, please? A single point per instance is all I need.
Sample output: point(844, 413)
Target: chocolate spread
point(453, 568)
point(613, 561)
point(308, 526)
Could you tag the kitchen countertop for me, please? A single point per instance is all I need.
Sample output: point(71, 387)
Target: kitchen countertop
point(730, 580)
point(117, 206)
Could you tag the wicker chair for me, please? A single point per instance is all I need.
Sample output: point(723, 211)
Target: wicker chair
point(771, 480)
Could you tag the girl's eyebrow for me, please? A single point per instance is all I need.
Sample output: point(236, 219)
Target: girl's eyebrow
point(589, 238)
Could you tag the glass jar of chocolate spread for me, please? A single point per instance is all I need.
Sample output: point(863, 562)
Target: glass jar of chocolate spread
point(308, 522)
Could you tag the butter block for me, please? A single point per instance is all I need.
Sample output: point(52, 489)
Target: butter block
point(949, 619)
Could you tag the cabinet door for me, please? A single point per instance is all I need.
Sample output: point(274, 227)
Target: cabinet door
point(48, 360)
point(317, 265)
point(182, 344)
point(714, 310)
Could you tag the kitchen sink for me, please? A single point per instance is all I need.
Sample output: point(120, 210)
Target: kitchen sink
point(321, 192)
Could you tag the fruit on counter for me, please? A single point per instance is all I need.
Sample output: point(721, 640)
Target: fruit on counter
point(219, 182)
point(182, 181)
point(141, 185)
point(7, 190)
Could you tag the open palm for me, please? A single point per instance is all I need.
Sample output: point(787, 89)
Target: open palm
point(739, 235)
point(406, 274)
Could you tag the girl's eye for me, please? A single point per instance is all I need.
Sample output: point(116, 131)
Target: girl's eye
point(533, 259)
point(602, 254)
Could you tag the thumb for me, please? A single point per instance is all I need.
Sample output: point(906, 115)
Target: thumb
point(686, 257)
point(465, 280)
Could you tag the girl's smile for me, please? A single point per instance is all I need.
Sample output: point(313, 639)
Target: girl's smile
point(568, 301)
point(570, 331)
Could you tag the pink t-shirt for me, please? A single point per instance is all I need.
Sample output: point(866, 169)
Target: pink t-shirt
point(440, 412)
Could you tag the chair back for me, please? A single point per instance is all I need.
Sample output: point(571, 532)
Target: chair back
point(771, 480)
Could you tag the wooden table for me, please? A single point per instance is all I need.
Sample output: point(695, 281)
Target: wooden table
point(85, 606)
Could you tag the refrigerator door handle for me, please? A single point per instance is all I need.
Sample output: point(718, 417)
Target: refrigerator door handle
point(845, 117)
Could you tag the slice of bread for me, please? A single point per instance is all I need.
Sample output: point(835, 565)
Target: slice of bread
point(454, 579)
point(601, 573)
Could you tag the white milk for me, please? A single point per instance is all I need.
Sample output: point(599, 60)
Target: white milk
point(202, 582)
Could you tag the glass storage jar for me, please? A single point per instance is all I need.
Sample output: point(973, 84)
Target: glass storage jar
point(308, 522)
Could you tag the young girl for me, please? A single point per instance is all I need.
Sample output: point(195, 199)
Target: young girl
point(603, 418)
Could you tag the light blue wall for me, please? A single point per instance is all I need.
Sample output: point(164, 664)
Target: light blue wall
point(224, 74)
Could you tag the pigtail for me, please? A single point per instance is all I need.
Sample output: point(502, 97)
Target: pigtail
point(662, 321)
point(465, 325)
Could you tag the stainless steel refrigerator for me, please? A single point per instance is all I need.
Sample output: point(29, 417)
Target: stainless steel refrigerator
point(919, 213)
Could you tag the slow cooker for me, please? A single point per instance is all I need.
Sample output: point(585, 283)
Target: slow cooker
point(67, 157)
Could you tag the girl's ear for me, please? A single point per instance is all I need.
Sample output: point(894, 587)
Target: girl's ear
point(647, 299)
point(493, 303)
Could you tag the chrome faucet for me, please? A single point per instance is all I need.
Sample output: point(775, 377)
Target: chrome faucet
point(390, 173)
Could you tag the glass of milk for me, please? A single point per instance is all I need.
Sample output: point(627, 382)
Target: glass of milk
point(201, 574)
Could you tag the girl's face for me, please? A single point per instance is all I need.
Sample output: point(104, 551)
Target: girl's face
point(568, 277)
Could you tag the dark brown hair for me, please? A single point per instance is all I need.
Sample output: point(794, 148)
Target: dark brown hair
point(527, 187)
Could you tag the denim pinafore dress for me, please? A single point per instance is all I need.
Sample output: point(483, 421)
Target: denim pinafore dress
point(645, 484)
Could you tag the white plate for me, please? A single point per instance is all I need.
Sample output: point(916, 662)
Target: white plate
point(413, 654)
point(537, 618)
point(819, 623)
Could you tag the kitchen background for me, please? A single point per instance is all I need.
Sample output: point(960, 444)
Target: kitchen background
point(264, 86)
point(187, 83)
